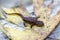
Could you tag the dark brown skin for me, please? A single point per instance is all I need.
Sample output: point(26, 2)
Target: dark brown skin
point(33, 21)
point(30, 20)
